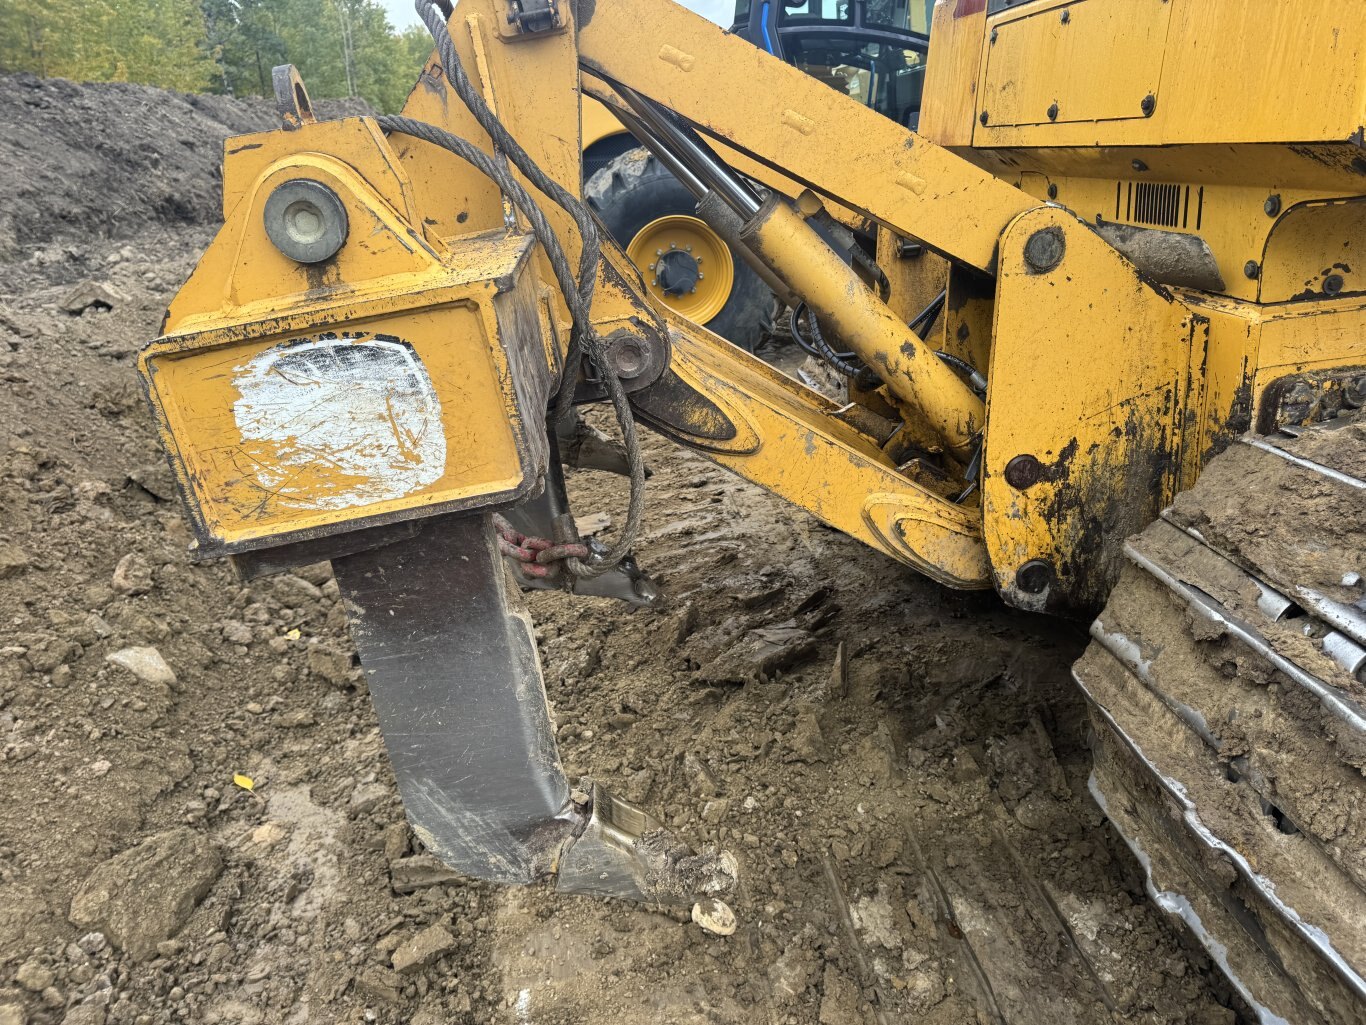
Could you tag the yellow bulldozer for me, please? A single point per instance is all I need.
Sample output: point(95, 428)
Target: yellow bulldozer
point(1107, 358)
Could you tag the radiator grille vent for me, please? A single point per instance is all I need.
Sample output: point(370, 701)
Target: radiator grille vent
point(1161, 204)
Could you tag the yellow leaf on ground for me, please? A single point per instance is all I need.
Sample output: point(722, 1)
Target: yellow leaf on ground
point(245, 782)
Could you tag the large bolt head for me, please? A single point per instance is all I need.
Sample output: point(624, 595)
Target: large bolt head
point(1023, 471)
point(305, 220)
point(1044, 250)
point(1034, 577)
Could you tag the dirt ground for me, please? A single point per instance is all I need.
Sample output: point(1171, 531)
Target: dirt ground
point(916, 839)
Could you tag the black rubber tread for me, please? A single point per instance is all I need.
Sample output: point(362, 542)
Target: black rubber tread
point(635, 189)
point(1229, 742)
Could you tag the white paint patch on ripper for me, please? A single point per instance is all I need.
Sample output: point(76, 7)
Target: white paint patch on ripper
point(339, 422)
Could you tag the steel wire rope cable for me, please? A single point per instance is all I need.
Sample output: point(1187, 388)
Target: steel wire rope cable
point(577, 295)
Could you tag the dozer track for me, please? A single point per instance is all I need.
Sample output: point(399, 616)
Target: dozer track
point(1227, 688)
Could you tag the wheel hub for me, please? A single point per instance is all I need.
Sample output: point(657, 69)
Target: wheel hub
point(677, 272)
point(686, 265)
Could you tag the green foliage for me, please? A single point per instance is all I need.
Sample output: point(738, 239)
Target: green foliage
point(158, 42)
point(341, 47)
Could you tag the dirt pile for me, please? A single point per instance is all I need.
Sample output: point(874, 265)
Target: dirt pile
point(109, 161)
point(198, 823)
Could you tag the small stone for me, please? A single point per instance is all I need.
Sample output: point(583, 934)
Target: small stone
point(144, 663)
point(715, 916)
point(155, 479)
point(379, 984)
point(100, 768)
point(146, 894)
point(132, 575)
point(806, 742)
point(268, 834)
point(90, 295)
point(395, 842)
point(12, 1014)
point(236, 632)
point(13, 561)
point(34, 977)
point(367, 797)
point(93, 943)
point(85, 1014)
point(423, 949)
point(294, 588)
point(332, 666)
point(714, 811)
point(839, 1004)
point(419, 872)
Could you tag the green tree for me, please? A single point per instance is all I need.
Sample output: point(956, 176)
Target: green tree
point(341, 47)
point(156, 42)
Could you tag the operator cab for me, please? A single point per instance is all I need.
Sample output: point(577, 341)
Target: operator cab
point(873, 50)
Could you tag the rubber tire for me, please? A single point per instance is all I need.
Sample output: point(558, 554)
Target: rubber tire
point(635, 189)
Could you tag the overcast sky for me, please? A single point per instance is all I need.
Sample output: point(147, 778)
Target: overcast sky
point(401, 13)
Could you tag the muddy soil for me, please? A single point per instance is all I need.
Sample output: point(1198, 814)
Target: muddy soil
point(198, 823)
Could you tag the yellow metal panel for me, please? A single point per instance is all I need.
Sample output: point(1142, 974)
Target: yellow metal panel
point(915, 279)
point(598, 122)
point(1088, 381)
point(948, 111)
point(1233, 71)
point(246, 158)
point(1315, 250)
point(788, 442)
point(1310, 336)
point(783, 117)
point(1086, 60)
point(305, 431)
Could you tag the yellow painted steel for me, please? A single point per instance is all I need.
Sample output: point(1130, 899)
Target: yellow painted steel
point(1217, 72)
point(782, 117)
point(1116, 387)
point(598, 122)
point(405, 376)
point(716, 266)
point(847, 308)
point(790, 441)
point(455, 200)
point(1089, 379)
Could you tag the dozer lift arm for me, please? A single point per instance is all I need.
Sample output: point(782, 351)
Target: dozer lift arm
point(362, 365)
point(365, 367)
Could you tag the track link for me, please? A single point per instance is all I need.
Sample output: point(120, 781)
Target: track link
point(1227, 689)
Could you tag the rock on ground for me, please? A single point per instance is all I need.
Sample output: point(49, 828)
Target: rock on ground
point(423, 949)
point(146, 664)
point(145, 895)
